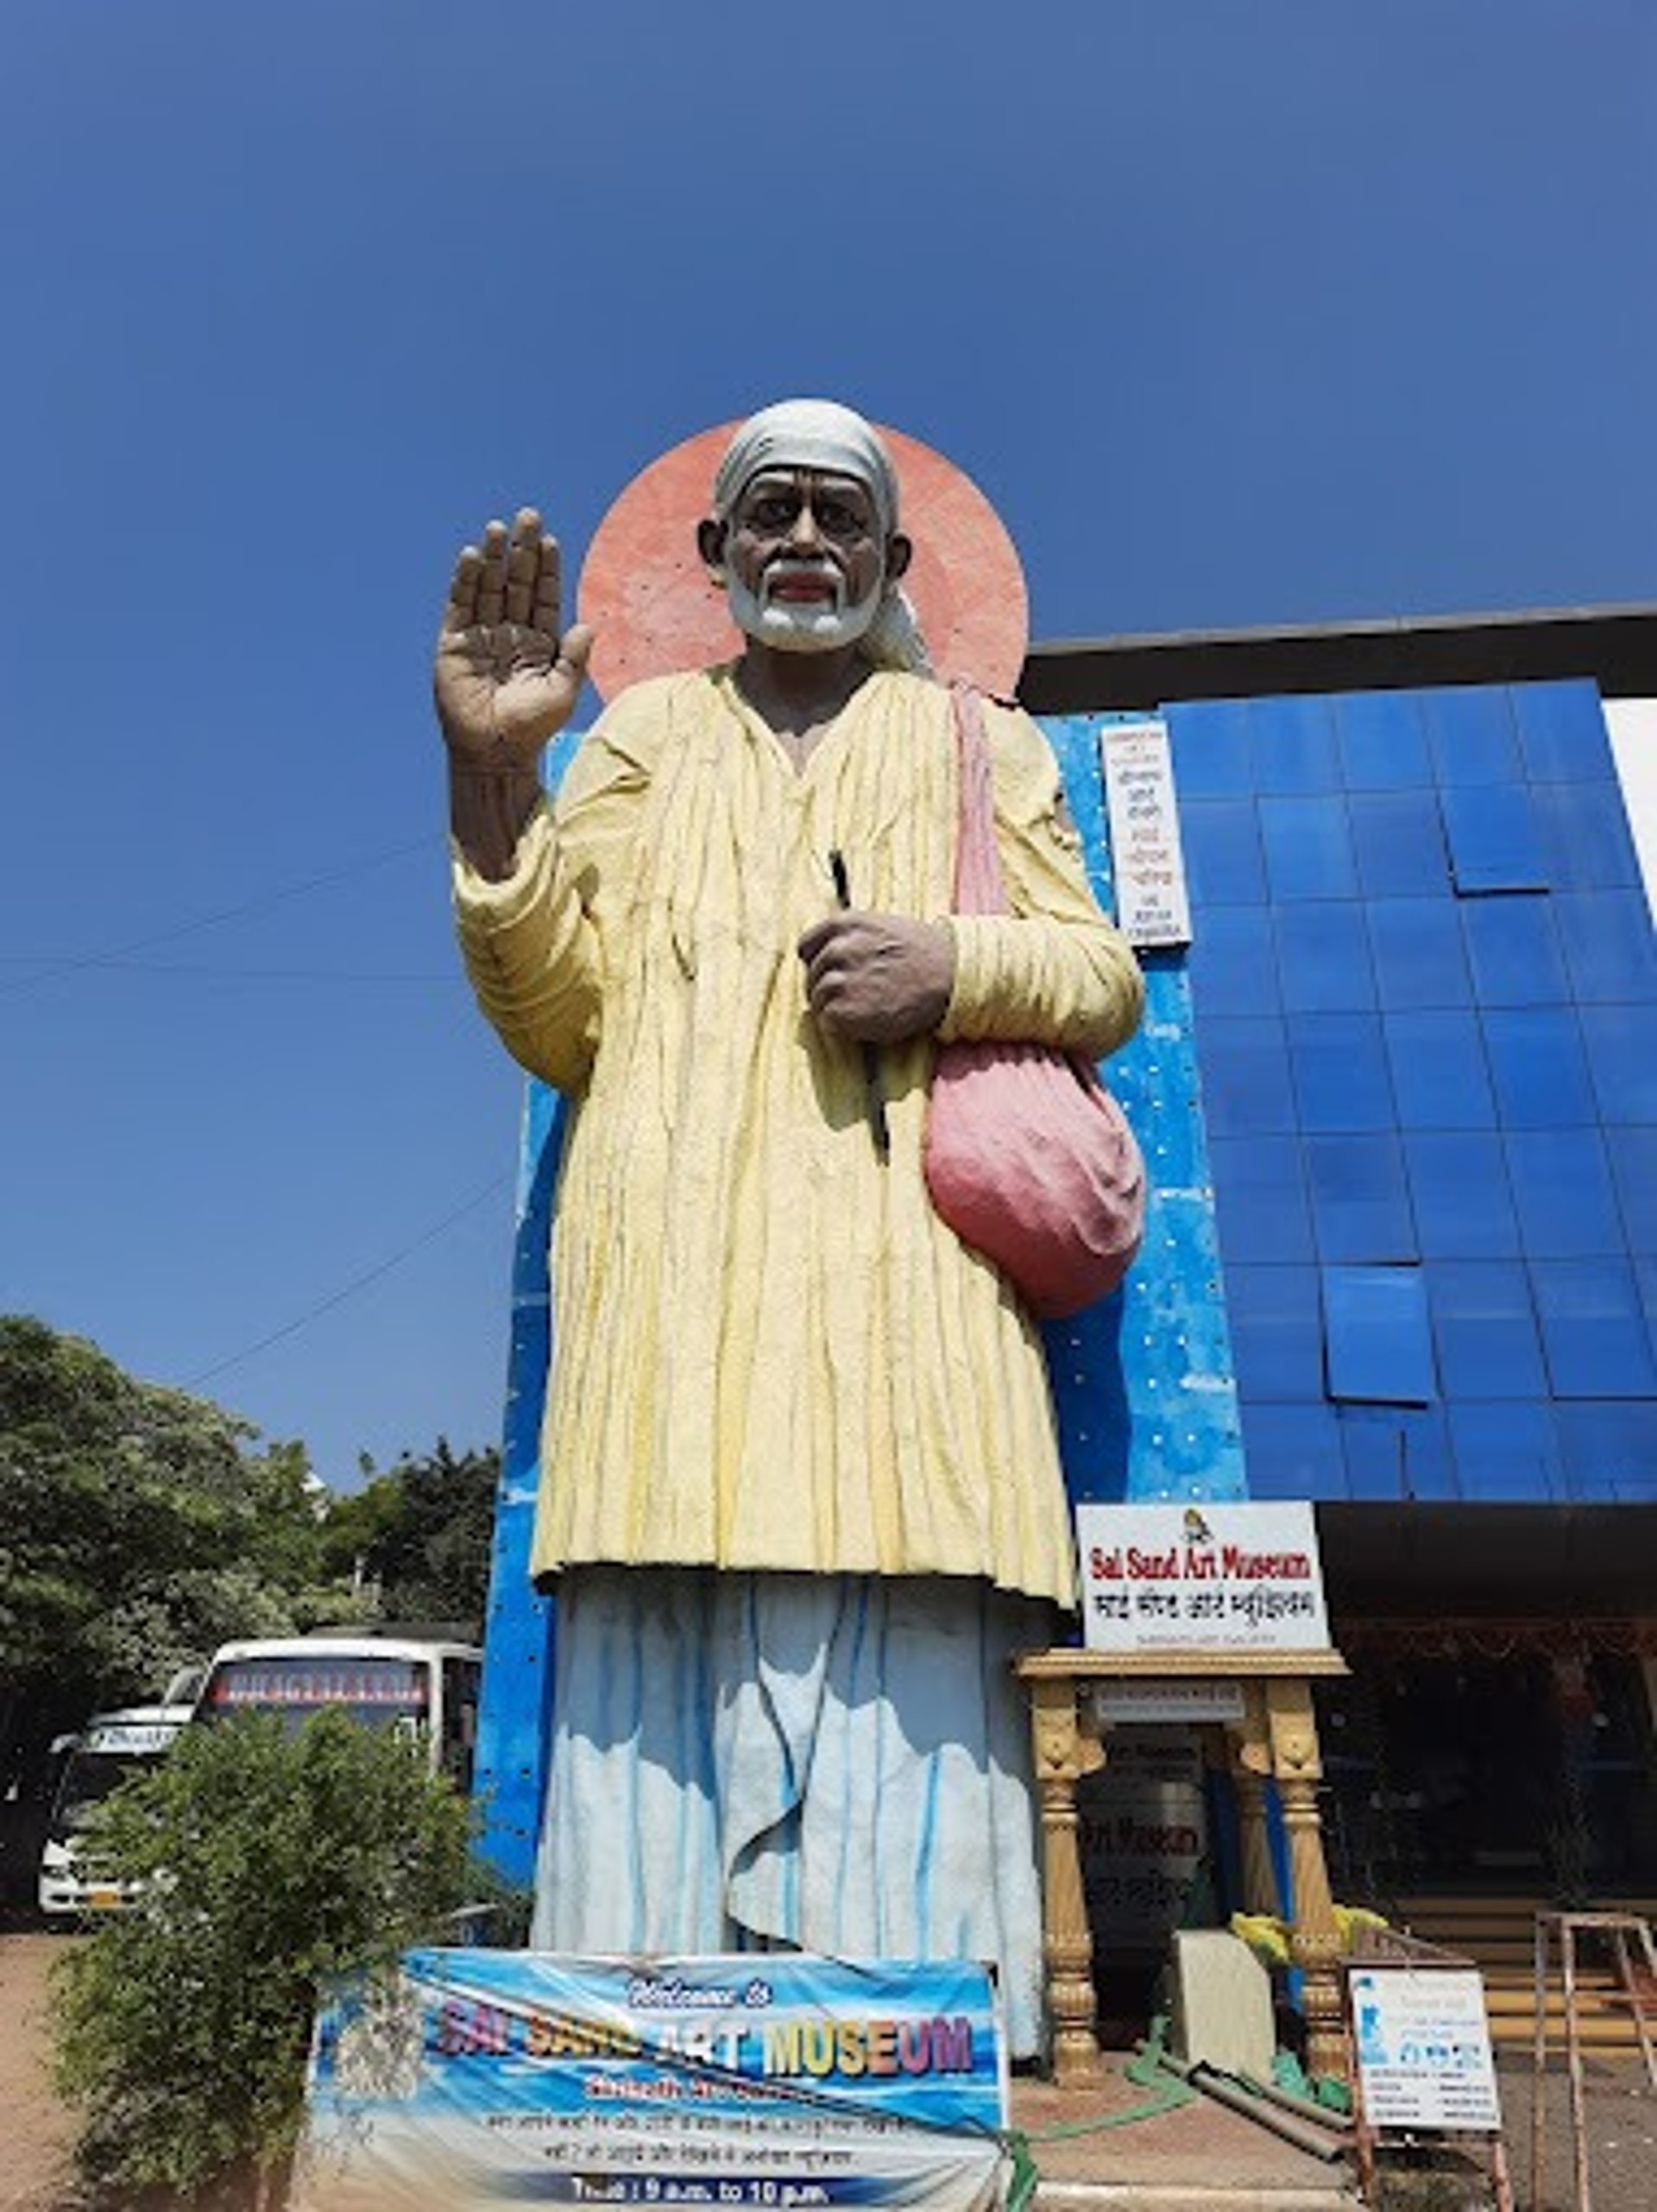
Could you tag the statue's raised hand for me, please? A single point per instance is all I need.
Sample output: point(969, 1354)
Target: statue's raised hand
point(507, 676)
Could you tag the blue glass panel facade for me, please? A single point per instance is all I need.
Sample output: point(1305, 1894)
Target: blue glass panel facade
point(1585, 837)
point(1398, 839)
point(1562, 1188)
point(1610, 1450)
point(1339, 1063)
point(1634, 1169)
point(1429, 1049)
point(1295, 745)
point(1506, 1451)
point(1459, 1196)
point(1380, 1342)
point(1484, 1328)
point(1214, 752)
point(1309, 848)
point(1441, 1076)
point(1594, 1330)
point(1234, 963)
point(1537, 1067)
point(1562, 735)
point(1266, 1217)
point(1396, 1453)
point(1622, 1061)
point(1323, 958)
point(1276, 1341)
point(1246, 1079)
point(1292, 1451)
point(1514, 949)
point(1419, 954)
point(1473, 738)
point(1383, 740)
point(1360, 1197)
point(1222, 860)
point(1609, 949)
point(1491, 832)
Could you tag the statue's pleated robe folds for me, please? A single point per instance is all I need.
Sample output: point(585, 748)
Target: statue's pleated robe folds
point(770, 1354)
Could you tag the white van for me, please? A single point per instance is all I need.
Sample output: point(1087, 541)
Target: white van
point(112, 1749)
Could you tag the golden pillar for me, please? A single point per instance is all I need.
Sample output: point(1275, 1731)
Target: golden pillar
point(1313, 1944)
point(1250, 1762)
point(1062, 1755)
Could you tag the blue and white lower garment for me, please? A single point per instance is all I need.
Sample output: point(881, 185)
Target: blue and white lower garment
point(832, 1763)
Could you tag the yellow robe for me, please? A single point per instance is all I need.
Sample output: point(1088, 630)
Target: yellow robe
point(768, 1351)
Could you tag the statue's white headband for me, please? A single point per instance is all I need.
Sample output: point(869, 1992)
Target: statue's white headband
point(810, 434)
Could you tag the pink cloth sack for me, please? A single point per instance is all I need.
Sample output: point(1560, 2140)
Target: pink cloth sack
point(1028, 1157)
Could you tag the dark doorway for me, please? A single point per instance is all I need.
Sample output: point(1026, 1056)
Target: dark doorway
point(1532, 1771)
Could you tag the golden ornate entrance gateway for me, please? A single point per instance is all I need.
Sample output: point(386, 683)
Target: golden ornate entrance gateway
point(1277, 1739)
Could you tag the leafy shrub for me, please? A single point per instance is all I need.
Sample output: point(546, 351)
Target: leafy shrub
point(268, 1861)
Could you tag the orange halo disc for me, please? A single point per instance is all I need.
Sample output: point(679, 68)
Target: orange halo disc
point(647, 594)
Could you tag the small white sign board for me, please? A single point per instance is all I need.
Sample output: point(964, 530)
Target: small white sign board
point(1423, 2045)
point(1139, 1698)
point(1147, 865)
point(1201, 1578)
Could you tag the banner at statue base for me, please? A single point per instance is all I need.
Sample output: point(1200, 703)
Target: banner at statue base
point(475, 2078)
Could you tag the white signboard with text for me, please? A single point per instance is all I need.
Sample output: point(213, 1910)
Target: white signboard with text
point(1423, 2044)
point(1147, 866)
point(1179, 1697)
point(1201, 1578)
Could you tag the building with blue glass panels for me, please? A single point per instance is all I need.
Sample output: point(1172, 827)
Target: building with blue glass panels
point(1423, 993)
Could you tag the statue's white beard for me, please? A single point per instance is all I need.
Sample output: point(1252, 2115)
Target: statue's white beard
point(796, 625)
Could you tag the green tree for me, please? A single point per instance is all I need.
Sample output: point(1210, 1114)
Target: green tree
point(421, 1532)
point(139, 1527)
point(270, 1863)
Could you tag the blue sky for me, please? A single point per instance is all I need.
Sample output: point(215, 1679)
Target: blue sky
point(1274, 313)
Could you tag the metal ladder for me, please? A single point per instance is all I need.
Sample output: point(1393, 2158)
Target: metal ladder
point(1637, 1988)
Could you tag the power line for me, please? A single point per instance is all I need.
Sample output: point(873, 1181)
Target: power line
point(350, 1289)
point(55, 970)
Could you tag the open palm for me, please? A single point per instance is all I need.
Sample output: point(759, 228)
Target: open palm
point(507, 677)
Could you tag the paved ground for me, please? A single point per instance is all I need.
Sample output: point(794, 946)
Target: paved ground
point(35, 2131)
point(1176, 2161)
point(1621, 2134)
point(1180, 2161)
point(1088, 2139)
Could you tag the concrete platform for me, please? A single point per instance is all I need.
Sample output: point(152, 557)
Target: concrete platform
point(1188, 2159)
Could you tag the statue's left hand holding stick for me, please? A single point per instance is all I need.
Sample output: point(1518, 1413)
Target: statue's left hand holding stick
point(507, 679)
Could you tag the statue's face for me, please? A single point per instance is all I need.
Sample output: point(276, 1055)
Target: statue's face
point(804, 559)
